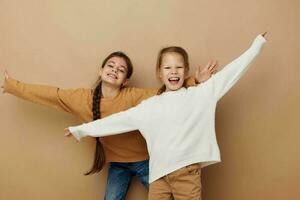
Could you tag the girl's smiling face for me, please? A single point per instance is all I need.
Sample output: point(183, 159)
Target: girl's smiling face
point(114, 72)
point(172, 71)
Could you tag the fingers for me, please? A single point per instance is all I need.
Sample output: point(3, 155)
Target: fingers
point(6, 74)
point(68, 135)
point(208, 65)
point(67, 132)
point(5, 77)
point(212, 66)
point(214, 71)
point(264, 34)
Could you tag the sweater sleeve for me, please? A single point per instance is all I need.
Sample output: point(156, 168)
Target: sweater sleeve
point(233, 71)
point(190, 81)
point(68, 100)
point(117, 123)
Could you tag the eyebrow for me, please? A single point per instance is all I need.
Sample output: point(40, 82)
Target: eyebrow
point(172, 66)
point(111, 61)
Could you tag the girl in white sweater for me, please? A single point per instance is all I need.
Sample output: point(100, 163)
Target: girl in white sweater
point(178, 124)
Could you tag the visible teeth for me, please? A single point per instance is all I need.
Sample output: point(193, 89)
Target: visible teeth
point(111, 75)
point(174, 79)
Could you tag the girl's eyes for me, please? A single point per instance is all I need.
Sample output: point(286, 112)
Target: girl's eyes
point(121, 70)
point(179, 67)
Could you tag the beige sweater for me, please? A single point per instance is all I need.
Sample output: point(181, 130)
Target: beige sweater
point(129, 147)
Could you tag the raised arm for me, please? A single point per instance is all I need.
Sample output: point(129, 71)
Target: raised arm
point(65, 100)
point(232, 72)
point(118, 123)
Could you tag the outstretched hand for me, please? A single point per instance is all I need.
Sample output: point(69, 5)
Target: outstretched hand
point(67, 132)
point(204, 74)
point(6, 76)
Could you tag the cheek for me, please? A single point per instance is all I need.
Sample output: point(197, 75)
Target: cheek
point(163, 74)
point(105, 70)
point(122, 76)
point(160, 74)
point(101, 73)
point(181, 72)
point(184, 72)
point(164, 77)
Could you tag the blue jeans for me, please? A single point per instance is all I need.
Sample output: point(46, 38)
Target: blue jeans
point(120, 176)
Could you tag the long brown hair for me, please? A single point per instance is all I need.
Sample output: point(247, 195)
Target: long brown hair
point(99, 156)
point(171, 49)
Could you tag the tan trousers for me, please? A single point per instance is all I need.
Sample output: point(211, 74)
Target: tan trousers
point(182, 184)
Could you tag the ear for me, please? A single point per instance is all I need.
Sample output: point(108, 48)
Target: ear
point(125, 83)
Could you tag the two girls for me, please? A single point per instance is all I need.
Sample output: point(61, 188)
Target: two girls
point(127, 153)
point(178, 125)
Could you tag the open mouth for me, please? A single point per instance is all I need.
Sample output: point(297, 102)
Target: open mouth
point(112, 76)
point(174, 80)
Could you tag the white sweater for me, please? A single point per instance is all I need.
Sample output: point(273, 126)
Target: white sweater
point(178, 126)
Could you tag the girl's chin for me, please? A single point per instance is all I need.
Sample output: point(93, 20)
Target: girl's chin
point(112, 83)
point(173, 87)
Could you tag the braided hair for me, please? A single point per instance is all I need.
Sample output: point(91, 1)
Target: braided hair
point(99, 155)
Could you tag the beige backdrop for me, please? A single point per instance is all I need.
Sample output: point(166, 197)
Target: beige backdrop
point(62, 43)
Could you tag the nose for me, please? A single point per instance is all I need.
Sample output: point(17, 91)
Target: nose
point(114, 69)
point(173, 71)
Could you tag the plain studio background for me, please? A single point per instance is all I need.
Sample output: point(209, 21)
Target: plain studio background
point(62, 43)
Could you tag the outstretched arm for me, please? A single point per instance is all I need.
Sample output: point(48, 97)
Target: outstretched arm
point(118, 123)
point(66, 100)
point(232, 72)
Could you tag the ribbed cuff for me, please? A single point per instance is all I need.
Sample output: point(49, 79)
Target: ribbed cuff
point(75, 132)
